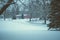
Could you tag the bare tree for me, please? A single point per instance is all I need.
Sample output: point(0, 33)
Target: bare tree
point(46, 9)
point(5, 6)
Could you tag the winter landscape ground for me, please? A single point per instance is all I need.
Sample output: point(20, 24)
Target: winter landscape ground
point(22, 29)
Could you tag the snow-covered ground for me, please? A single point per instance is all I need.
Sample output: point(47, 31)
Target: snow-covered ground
point(22, 24)
point(22, 29)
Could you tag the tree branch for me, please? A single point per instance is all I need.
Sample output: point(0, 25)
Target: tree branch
point(5, 6)
point(23, 3)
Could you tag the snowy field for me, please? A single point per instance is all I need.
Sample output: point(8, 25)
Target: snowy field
point(22, 29)
point(23, 24)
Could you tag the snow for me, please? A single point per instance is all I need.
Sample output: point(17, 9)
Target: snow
point(22, 29)
point(22, 24)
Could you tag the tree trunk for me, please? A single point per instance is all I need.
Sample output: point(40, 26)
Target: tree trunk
point(5, 6)
point(30, 17)
point(44, 20)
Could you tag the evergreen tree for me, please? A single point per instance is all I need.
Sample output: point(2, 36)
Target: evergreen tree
point(55, 14)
